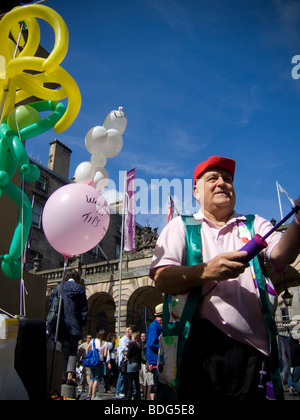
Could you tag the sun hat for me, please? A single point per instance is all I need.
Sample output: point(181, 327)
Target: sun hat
point(159, 309)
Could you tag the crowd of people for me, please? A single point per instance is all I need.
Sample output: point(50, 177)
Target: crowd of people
point(128, 363)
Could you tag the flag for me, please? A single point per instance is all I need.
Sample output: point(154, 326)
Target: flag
point(171, 209)
point(288, 196)
point(129, 212)
point(279, 190)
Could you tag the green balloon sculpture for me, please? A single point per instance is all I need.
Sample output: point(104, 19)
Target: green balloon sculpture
point(22, 123)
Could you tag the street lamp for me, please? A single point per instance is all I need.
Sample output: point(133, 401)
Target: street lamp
point(287, 297)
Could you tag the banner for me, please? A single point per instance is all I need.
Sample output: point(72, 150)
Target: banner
point(129, 209)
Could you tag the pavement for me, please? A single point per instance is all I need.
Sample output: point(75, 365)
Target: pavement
point(102, 395)
point(288, 397)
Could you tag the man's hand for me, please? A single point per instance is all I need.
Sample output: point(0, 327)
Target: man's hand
point(225, 266)
point(179, 279)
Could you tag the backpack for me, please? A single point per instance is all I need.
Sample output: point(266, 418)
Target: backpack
point(92, 358)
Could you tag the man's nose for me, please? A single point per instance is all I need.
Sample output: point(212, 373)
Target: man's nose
point(220, 180)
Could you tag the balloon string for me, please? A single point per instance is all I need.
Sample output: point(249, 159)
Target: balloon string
point(18, 40)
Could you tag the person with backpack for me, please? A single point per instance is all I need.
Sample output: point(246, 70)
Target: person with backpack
point(219, 332)
point(72, 319)
point(97, 371)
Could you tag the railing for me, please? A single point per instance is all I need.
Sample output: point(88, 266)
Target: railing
point(102, 268)
point(55, 275)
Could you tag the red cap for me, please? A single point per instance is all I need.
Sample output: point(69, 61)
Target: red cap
point(221, 162)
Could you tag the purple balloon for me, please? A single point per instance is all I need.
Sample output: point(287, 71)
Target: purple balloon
point(75, 219)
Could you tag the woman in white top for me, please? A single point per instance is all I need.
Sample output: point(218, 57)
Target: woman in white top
point(97, 372)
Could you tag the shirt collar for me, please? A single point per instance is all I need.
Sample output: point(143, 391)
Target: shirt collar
point(234, 217)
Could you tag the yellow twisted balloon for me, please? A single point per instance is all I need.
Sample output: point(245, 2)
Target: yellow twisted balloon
point(15, 83)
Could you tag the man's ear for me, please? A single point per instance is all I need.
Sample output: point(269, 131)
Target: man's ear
point(198, 191)
point(195, 191)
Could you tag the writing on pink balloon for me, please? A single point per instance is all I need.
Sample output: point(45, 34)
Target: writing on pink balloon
point(101, 209)
point(91, 200)
point(91, 220)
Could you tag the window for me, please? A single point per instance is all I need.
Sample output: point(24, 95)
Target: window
point(285, 315)
point(37, 215)
point(41, 183)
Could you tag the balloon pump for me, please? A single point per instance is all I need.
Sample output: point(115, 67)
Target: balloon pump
point(258, 242)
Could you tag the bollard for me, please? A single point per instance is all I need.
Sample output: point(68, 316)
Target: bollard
point(68, 391)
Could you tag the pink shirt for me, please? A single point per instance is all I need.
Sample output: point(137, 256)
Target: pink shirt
point(233, 305)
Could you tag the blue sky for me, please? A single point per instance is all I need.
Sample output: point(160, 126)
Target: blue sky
point(195, 78)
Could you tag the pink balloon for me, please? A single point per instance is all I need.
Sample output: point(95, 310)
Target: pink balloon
point(75, 219)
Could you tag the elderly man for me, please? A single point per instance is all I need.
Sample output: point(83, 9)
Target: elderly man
point(217, 311)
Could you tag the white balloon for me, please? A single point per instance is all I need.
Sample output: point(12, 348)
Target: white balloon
point(84, 173)
point(113, 144)
point(100, 173)
point(116, 119)
point(95, 139)
point(98, 160)
point(101, 178)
